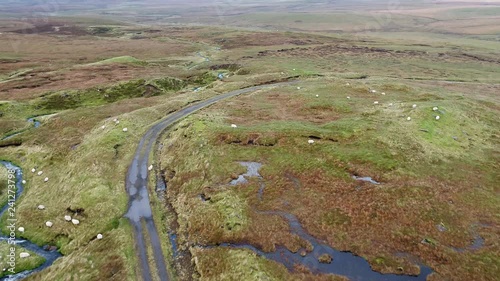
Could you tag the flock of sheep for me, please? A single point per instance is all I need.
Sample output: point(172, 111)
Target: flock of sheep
point(414, 106)
point(49, 223)
point(116, 121)
point(66, 217)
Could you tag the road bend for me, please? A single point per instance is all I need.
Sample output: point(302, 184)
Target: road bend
point(139, 212)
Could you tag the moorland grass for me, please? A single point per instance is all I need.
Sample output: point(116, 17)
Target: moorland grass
point(122, 59)
point(22, 264)
point(421, 171)
point(90, 178)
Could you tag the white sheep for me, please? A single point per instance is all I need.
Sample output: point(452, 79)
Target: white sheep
point(409, 118)
point(49, 224)
point(103, 126)
point(33, 170)
point(75, 221)
point(41, 207)
point(234, 126)
point(414, 106)
point(24, 255)
point(150, 168)
point(117, 122)
point(24, 182)
point(383, 94)
point(310, 141)
point(375, 102)
point(435, 108)
point(437, 117)
point(46, 179)
point(348, 98)
point(298, 88)
point(99, 236)
point(373, 91)
point(40, 173)
point(21, 229)
point(67, 218)
point(125, 129)
point(317, 96)
point(391, 104)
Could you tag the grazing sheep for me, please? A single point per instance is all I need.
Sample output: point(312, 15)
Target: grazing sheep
point(24, 255)
point(75, 221)
point(437, 117)
point(435, 108)
point(125, 129)
point(49, 224)
point(375, 102)
point(310, 141)
point(150, 168)
point(409, 118)
point(41, 207)
point(21, 229)
point(391, 104)
point(46, 180)
point(99, 236)
point(348, 98)
point(24, 182)
point(373, 91)
point(317, 96)
point(103, 126)
point(234, 126)
point(383, 94)
point(298, 88)
point(40, 173)
point(33, 170)
point(414, 106)
point(67, 218)
point(348, 84)
point(117, 122)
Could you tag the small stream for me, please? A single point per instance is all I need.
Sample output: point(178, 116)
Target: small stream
point(50, 256)
point(35, 122)
point(346, 264)
point(32, 120)
point(343, 263)
point(205, 59)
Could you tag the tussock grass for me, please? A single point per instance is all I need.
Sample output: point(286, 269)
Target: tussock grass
point(228, 264)
point(89, 177)
point(421, 173)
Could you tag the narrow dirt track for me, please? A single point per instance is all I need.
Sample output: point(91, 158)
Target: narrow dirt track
point(139, 212)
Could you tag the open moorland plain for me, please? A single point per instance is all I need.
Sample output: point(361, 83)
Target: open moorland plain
point(250, 140)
